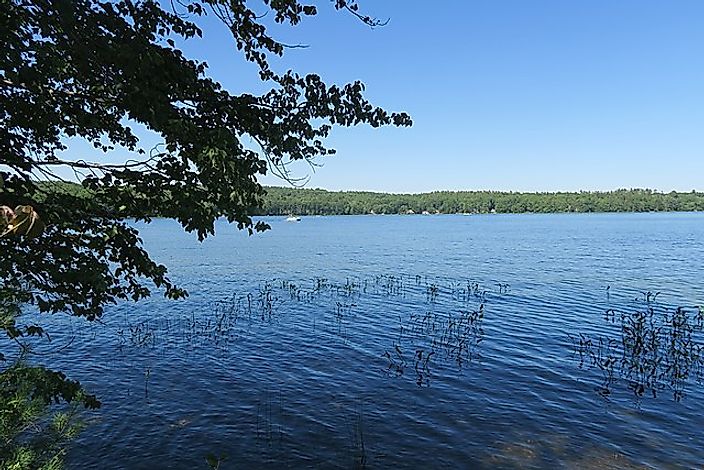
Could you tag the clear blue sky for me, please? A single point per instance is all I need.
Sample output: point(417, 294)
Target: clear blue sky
point(505, 95)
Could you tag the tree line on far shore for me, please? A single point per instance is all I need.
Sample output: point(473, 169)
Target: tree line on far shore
point(303, 201)
point(300, 201)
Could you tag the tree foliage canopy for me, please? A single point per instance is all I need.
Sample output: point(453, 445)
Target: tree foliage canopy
point(91, 69)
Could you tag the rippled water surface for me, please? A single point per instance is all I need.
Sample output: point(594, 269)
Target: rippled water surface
point(406, 342)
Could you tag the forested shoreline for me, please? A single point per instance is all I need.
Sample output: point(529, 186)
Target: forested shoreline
point(304, 201)
point(301, 201)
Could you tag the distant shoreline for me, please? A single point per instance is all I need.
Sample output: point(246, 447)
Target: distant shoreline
point(280, 201)
point(306, 202)
point(284, 216)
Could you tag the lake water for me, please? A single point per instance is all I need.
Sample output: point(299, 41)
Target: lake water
point(406, 342)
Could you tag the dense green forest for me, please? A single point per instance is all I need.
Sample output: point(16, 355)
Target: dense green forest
point(301, 201)
point(283, 201)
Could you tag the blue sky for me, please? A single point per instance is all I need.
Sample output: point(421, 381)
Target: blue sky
point(505, 95)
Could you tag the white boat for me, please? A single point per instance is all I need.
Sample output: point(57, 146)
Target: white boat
point(293, 218)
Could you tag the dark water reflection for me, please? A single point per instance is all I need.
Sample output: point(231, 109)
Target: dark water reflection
point(406, 342)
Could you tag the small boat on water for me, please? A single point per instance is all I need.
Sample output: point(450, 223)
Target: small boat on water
point(293, 218)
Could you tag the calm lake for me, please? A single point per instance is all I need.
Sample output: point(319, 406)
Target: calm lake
point(481, 341)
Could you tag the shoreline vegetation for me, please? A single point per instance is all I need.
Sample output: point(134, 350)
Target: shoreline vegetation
point(303, 201)
point(281, 201)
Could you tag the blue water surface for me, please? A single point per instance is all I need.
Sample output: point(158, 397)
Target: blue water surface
point(310, 346)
